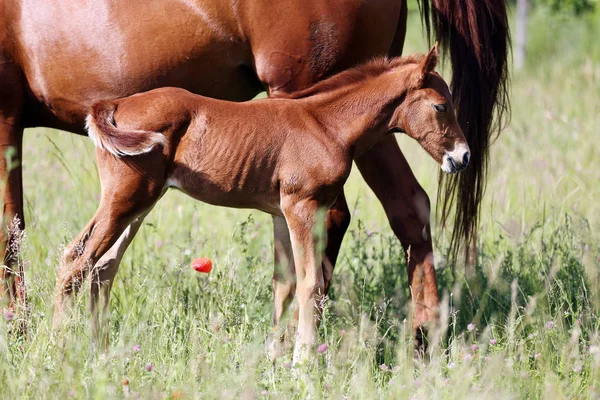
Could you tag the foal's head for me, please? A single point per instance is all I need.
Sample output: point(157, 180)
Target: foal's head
point(427, 115)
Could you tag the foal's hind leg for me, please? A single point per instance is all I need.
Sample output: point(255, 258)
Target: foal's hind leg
point(284, 285)
point(122, 203)
point(80, 256)
point(12, 285)
point(101, 282)
point(406, 204)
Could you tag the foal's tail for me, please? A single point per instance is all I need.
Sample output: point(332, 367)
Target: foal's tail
point(100, 124)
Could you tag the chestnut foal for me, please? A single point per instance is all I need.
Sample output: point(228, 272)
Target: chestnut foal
point(287, 157)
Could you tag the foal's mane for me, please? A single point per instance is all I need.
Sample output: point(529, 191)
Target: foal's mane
point(370, 69)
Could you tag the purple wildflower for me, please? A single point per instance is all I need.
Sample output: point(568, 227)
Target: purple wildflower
point(493, 342)
point(550, 325)
point(149, 367)
point(9, 315)
point(322, 348)
point(471, 327)
point(136, 348)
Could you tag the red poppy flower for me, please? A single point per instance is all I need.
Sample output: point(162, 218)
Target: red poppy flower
point(202, 264)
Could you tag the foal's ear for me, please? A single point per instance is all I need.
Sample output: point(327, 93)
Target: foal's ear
point(426, 66)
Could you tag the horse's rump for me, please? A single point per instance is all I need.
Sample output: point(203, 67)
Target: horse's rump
point(102, 129)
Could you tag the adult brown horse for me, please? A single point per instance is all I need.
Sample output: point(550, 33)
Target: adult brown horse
point(57, 58)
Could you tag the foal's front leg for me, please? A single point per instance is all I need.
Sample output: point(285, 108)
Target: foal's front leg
point(300, 215)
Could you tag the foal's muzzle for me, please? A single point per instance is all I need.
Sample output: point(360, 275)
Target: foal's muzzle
point(456, 160)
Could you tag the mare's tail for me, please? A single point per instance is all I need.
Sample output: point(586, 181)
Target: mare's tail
point(100, 124)
point(474, 33)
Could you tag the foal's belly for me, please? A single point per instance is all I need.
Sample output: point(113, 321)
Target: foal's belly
point(208, 191)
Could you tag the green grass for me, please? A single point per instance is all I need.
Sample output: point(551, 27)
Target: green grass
point(535, 289)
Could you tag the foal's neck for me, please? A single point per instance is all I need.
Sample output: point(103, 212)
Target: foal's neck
point(359, 115)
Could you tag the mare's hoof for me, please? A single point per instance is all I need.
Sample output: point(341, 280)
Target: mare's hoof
point(421, 343)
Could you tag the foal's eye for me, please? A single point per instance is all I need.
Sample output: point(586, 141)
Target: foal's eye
point(441, 108)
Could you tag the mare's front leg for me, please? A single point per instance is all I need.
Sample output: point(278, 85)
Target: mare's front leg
point(300, 215)
point(406, 204)
point(284, 285)
point(12, 285)
point(338, 221)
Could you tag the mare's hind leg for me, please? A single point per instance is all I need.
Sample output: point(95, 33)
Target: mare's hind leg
point(406, 204)
point(101, 282)
point(12, 285)
point(284, 285)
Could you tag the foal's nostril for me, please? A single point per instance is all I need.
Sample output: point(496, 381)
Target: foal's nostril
point(466, 158)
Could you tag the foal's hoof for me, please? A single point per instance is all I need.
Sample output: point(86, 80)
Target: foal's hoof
point(303, 354)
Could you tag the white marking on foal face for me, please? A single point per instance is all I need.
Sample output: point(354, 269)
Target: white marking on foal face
point(457, 159)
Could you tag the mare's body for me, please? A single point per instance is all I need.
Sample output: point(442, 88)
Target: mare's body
point(57, 58)
point(288, 157)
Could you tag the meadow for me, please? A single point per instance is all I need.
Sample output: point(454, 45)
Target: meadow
point(522, 323)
